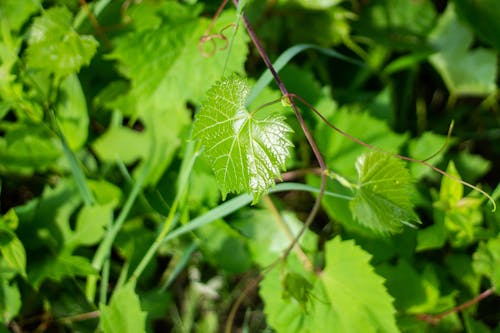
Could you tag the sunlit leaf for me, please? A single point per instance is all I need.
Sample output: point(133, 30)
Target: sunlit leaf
point(53, 45)
point(382, 199)
point(16, 12)
point(246, 152)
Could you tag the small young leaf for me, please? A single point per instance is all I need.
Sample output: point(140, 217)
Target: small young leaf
point(246, 153)
point(55, 46)
point(382, 200)
point(124, 313)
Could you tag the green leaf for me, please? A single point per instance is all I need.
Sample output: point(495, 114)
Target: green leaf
point(27, 147)
point(414, 293)
point(156, 59)
point(246, 153)
point(58, 268)
point(54, 46)
point(397, 24)
point(224, 248)
point(423, 147)
point(266, 239)
point(341, 153)
point(12, 250)
point(382, 199)
point(464, 71)
point(72, 112)
point(487, 260)
point(123, 314)
point(122, 144)
point(347, 296)
point(462, 216)
point(90, 225)
point(10, 300)
point(482, 16)
point(17, 12)
point(356, 293)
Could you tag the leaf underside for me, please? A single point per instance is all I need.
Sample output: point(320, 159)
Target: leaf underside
point(246, 152)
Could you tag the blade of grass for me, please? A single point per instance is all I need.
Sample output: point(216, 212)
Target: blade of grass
point(238, 202)
point(239, 10)
point(180, 265)
point(190, 156)
point(75, 167)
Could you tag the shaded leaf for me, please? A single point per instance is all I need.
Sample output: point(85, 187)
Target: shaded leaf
point(341, 153)
point(382, 199)
point(123, 314)
point(482, 16)
point(266, 240)
point(246, 153)
point(53, 45)
point(58, 268)
point(464, 71)
point(156, 59)
point(487, 260)
point(27, 147)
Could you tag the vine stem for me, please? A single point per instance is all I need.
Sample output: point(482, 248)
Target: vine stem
point(435, 319)
point(291, 97)
point(307, 133)
point(312, 143)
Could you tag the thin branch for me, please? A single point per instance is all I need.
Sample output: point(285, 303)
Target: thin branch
point(291, 97)
point(435, 319)
point(96, 25)
point(321, 162)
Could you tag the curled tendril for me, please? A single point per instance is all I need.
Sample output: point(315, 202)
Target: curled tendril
point(212, 38)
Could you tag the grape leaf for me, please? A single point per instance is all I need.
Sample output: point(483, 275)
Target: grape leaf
point(382, 195)
point(155, 60)
point(55, 46)
point(124, 313)
point(347, 296)
point(246, 153)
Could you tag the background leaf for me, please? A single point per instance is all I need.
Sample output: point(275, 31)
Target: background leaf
point(123, 314)
point(465, 72)
point(54, 46)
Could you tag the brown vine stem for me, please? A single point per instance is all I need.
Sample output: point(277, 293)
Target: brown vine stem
point(95, 24)
point(435, 319)
point(402, 157)
point(321, 162)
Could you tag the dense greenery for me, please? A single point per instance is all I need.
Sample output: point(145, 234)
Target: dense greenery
point(140, 143)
